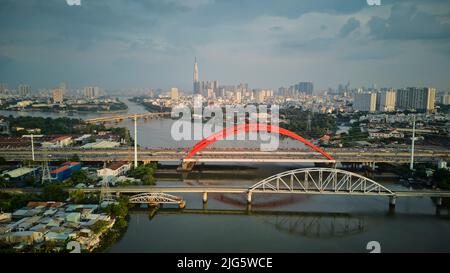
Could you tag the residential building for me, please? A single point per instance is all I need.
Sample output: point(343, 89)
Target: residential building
point(174, 93)
point(24, 90)
point(114, 169)
point(58, 142)
point(58, 95)
point(386, 134)
point(446, 98)
point(386, 100)
point(20, 174)
point(413, 98)
point(365, 102)
point(65, 171)
point(305, 87)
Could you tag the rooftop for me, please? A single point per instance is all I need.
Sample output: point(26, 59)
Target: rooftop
point(20, 172)
point(116, 165)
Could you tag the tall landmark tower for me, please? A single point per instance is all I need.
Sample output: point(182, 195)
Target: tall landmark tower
point(196, 82)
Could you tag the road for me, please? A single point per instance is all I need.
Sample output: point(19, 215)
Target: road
point(232, 155)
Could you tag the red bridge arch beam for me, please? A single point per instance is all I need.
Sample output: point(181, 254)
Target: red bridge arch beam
point(251, 127)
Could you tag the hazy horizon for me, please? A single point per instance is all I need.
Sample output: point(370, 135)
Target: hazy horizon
point(120, 44)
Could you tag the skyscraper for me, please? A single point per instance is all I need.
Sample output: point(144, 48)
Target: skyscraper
point(196, 81)
point(306, 87)
point(365, 102)
point(24, 90)
point(446, 98)
point(92, 92)
point(58, 95)
point(413, 98)
point(386, 100)
point(174, 94)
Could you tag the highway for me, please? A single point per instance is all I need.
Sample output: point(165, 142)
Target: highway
point(232, 155)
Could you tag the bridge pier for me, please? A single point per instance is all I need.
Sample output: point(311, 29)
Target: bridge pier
point(205, 197)
point(438, 201)
point(392, 201)
point(187, 166)
point(249, 197)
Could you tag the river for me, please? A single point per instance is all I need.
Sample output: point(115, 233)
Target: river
point(273, 223)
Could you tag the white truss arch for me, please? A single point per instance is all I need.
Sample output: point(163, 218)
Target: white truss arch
point(320, 181)
point(155, 198)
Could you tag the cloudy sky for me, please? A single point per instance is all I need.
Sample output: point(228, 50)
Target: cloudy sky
point(150, 43)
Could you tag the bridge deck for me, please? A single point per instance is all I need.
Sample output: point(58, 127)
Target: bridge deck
point(412, 193)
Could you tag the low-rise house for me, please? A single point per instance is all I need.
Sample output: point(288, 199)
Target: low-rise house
point(103, 144)
point(48, 204)
point(58, 142)
point(55, 222)
point(26, 237)
point(56, 237)
point(24, 212)
point(50, 212)
point(39, 228)
point(73, 217)
point(114, 169)
point(20, 174)
point(65, 170)
point(386, 134)
point(27, 222)
point(80, 207)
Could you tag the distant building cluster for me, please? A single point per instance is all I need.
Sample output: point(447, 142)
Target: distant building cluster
point(411, 98)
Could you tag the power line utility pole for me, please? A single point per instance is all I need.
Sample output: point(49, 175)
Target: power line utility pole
point(411, 164)
point(135, 142)
point(31, 136)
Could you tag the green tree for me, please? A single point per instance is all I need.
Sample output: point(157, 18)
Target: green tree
point(144, 172)
point(120, 209)
point(74, 158)
point(80, 176)
point(3, 183)
point(54, 192)
point(442, 178)
point(77, 196)
point(30, 181)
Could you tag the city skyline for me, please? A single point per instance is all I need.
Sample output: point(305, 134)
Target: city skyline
point(264, 44)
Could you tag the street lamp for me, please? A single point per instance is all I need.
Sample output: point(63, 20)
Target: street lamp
point(135, 142)
point(31, 136)
point(411, 163)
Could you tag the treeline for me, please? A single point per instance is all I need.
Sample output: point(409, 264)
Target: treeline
point(144, 172)
point(56, 126)
point(298, 120)
point(51, 192)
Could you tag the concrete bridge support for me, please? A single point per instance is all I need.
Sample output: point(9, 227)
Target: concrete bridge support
point(392, 201)
point(187, 166)
point(148, 162)
point(205, 197)
point(249, 197)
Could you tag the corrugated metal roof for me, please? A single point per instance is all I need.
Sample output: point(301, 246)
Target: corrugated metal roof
point(20, 172)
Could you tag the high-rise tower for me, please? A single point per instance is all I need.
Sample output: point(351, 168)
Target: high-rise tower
point(196, 81)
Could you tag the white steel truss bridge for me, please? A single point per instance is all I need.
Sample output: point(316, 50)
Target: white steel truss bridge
point(156, 198)
point(320, 181)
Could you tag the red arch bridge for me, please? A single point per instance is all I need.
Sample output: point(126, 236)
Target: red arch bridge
point(310, 181)
point(191, 158)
